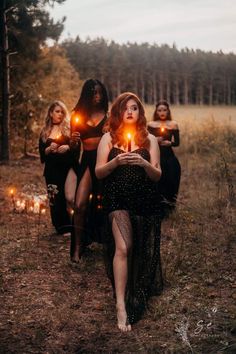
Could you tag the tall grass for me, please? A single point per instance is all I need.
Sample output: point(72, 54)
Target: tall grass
point(198, 240)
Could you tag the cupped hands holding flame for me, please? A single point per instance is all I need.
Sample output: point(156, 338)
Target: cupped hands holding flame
point(130, 158)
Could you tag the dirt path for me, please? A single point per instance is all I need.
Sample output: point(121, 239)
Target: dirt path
point(49, 305)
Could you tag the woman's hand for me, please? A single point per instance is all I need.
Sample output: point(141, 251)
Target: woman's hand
point(136, 159)
point(62, 149)
point(165, 143)
point(128, 158)
point(122, 159)
point(53, 147)
point(75, 137)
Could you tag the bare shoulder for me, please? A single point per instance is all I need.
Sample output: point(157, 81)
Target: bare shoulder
point(152, 139)
point(106, 138)
point(153, 124)
point(174, 125)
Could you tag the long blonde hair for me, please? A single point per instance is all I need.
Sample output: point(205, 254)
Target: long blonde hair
point(64, 125)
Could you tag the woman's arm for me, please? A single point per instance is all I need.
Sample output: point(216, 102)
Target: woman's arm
point(103, 167)
point(152, 168)
point(176, 140)
point(42, 150)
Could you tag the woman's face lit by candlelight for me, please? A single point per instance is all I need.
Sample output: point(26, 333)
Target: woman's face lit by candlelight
point(97, 94)
point(162, 111)
point(57, 115)
point(131, 113)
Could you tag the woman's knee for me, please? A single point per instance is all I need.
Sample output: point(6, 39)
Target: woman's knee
point(70, 200)
point(80, 206)
point(123, 251)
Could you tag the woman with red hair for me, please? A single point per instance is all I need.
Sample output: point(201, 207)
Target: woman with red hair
point(128, 162)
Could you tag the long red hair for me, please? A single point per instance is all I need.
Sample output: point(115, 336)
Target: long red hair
point(115, 123)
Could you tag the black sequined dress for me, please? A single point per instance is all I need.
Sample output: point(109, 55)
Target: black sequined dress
point(171, 169)
point(132, 198)
point(55, 172)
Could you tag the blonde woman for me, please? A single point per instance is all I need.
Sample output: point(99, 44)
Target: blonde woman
point(54, 148)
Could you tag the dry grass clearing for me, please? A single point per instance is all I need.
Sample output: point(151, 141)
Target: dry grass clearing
point(50, 306)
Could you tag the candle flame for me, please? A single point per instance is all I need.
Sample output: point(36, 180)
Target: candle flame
point(12, 191)
point(77, 120)
point(129, 136)
point(162, 129)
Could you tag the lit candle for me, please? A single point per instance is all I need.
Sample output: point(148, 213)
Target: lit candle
point(162, 130)
point(36, 207)
point(76, 120)
point(58, 138)
point(75, 123)
point(22, 205)
point(18, 204)
point(12, 194)
point(129, 142)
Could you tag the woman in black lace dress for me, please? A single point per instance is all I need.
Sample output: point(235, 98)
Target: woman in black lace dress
point(55, 153)
point(167, 132)
point(87, 122)
point(129, 166)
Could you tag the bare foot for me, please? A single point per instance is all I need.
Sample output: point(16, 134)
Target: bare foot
point(122, 320)
point(75, 258)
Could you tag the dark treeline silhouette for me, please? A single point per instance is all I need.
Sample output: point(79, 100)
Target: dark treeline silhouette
point(154, 72)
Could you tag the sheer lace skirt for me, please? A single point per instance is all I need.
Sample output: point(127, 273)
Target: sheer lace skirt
point(141, 235)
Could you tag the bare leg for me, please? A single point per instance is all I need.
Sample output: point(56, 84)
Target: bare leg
point(81, 202)
point(121, 224)
point(70, 189)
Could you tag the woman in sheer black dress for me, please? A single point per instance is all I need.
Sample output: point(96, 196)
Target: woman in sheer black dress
point(87, 122)
point(130, 169)
point(55, 153)
point(167, 132)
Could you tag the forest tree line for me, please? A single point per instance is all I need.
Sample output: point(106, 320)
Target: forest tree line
point(155, 72)
point(39, 73)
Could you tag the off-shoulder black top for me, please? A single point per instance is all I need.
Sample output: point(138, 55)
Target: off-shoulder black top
point(167, 134)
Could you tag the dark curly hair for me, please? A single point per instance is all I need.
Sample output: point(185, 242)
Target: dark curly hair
point(115, 123)
point(84, 106)
point(162, 103)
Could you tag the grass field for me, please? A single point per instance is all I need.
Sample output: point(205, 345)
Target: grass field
point(51, 306)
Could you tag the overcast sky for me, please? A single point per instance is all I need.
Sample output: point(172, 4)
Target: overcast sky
point(204, 24)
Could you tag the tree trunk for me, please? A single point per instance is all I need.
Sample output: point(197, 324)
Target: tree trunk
point(154, 88)
point(176, 91)
point(210, 100)
point(167, 89)
point(200, 99)
point(5, 119)
point(229, 102)
point(142, 88)
point(160, 84)
point(186, 89)
point(118, 90)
